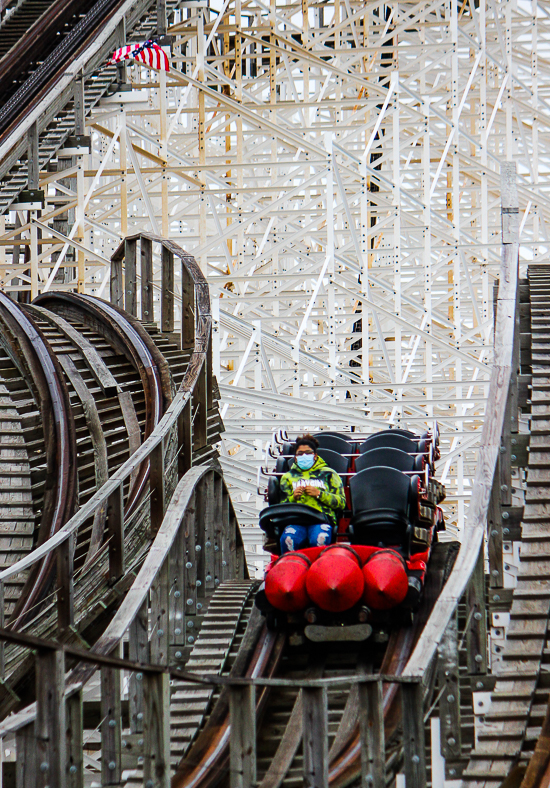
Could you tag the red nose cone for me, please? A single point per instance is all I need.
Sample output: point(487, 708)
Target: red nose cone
point(285, 584)
point(386, 582)
point(335, 582)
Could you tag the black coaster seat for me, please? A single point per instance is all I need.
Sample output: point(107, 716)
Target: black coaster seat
point(384, 506)
point(390, 458)
point(334, 443)
point(391, 440)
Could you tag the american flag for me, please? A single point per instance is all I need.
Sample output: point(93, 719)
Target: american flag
point(147, 52)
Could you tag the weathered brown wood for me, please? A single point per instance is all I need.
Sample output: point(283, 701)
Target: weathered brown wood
point(373, 748)
point(414, 745)
point(315, 737)
point(50, 724)
point(157, 487)
point(218, 526)
point(167, 291)
point(26, 751)
point(156, 755)
point(242, 704)
point(176, 615)
point(65, 584)
point(476, 616)
point(494, 527)
point(159, 615)
point(75, 757)
point(146, 280)
point(115, 533)
point(208, 538)
point(116, 284)
point(449, 702)
point(138, 651)
point(185, 438)
point(130, 278)
point(111, 722)
point(190, 589)
point(200, 413)
point(187, 308)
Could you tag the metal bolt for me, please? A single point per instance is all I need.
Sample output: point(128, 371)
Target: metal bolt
point(190, 624)
point(199, 605)
point(189, 565)
point(44, 767)
point(149, 784)
point(505, 515)
point(450, 698)
point(190, 639)
point(477, 616)
point(72, 769)
point(112, 724)
point(513, 458)
point(495, 572)
point(140, 742)
point(177, 594)
point(479, 685)
point(198, 548)
point(452, 741)
point(199, 583)
point(177, 631)
point(178, 654)
point(478, 658)
point(112, 765)
point(415, 759)
point(502, 449)
point(224, 563)
point(160, 633)
point(139, 676)
point(139, 715)
point(209, 544)
point(452, 772)
point(496, 598)
point(208, 578)
point(123, 743)
point(216, 582)
point(216, 548)
point(494, 532)
point(503, 487)
point(189, 601)
point(505, 531)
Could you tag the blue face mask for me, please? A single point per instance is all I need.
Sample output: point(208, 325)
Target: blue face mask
point(305, 461)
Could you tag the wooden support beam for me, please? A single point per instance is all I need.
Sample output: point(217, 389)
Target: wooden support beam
point(117, 284)
point(187, 309)
point(115, 533)
point(75, 756)
point(160, 593)
point(315, 737)
point(111, 716)
point(414, 745)
point(156, 756)
point(25, 764)
point(476, 616)
point(449, 702)
point(147, 314)
point(373, 746)
point(130, 277)
point(200, 414)
point(242, 747)
point(185, 439)
point(138, 651)
point(50, 725)
point(65, 584)
point(167, 291)
point(157, 487)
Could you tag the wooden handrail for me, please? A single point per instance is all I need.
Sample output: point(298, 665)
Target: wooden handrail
point(474, 531)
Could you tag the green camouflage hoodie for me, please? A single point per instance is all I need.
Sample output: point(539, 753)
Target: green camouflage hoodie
point(332, 495)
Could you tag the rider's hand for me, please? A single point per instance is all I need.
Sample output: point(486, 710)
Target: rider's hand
point(297, 493)
point(313, 491)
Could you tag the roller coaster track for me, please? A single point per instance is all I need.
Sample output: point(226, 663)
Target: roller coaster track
point(160, 586)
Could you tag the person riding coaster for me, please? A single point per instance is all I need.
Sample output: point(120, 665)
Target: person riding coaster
point(311, 482)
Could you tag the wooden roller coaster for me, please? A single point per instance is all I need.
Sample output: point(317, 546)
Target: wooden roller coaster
point(131, 652)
